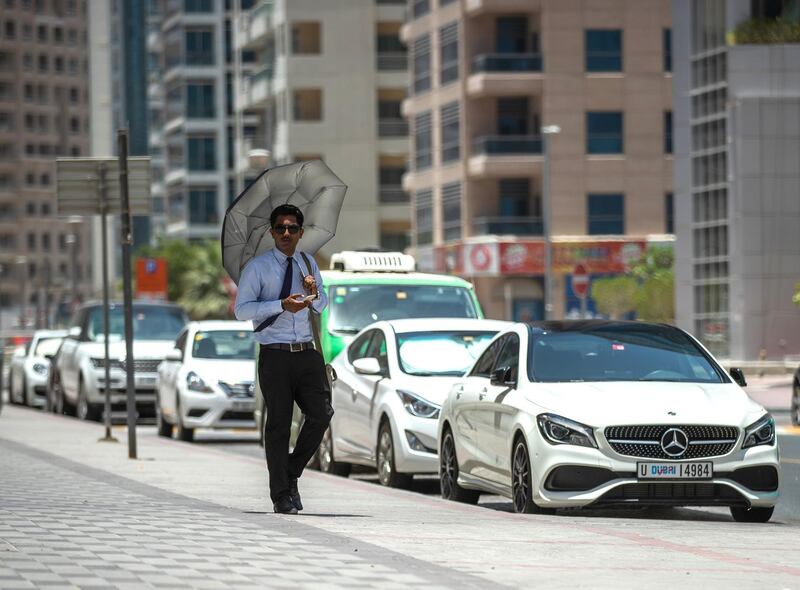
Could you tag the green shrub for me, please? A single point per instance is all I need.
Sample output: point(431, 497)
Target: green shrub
point(766, 32)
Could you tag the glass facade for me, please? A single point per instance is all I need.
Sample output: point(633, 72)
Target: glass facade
point(200, 100)
point(202, 153)
point(203, 206)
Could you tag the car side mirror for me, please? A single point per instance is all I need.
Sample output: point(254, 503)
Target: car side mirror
point(50, 356)
point(502, 376)
point(74, 332)
point(738, 376)
point(174, 355)
point(367, 366)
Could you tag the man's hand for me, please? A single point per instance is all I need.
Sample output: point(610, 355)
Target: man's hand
point(292, 305)
point(310, 284)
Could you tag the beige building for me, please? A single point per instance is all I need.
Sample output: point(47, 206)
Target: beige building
point(329, 84)
point(487, 76)
point(44, 259)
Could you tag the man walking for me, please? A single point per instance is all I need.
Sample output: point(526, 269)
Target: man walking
point(275, 291)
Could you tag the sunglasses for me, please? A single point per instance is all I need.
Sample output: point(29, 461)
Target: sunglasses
point(281, 229)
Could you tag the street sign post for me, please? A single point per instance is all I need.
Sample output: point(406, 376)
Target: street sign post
point(89, 186)
point(580, 286)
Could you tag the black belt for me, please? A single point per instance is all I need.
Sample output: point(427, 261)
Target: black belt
point(290, 346)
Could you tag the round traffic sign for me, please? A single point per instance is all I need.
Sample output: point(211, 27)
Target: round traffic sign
point(580, 281)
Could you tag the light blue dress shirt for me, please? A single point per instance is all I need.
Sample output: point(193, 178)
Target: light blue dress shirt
point(259, 297)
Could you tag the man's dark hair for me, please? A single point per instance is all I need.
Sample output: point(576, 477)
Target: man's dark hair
point(285, 210)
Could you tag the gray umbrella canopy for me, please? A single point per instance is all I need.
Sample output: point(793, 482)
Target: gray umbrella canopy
point(310, 186)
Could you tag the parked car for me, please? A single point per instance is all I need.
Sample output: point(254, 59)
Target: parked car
point(207, 380)
point(30, 366)
point(365, 287)
point(606, 413)
point(81, 361)
point(391, 382)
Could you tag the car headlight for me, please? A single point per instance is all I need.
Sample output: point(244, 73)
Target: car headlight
point(417, 406)
point(558, 430)
point(194, 382)
point(761, 432)
point(40, 368)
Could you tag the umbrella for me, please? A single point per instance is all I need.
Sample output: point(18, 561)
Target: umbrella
point(310, 186)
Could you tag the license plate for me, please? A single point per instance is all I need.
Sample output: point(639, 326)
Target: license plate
point(243, 406)
point(694, 470)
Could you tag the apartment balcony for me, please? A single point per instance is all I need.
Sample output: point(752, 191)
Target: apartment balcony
point(504, 225)
point(257, 142)
point(394, 61)
point(505, 156)
point(392, 128)
point(505, 74)
point(254, 26)
point(478, 7)
point(256, 89)
point(391, 194)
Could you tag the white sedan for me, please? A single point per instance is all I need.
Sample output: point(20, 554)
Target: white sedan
point(30, 367)
point(207, 381)
point(601, 413)
point(391, 382)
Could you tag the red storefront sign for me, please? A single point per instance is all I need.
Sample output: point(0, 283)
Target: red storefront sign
point(151, 278)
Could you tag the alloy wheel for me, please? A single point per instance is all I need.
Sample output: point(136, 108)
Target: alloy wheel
point(447, 468)
point(521, 478)
point(83, 404)
point(385, 457)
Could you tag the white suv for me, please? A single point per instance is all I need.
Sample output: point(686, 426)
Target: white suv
point(81, 360)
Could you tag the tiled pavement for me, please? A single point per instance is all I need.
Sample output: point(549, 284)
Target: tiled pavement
point(65, 525)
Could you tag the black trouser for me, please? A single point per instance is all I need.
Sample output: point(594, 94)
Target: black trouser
point(287, 377)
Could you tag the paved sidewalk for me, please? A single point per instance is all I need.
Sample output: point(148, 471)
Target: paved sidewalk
point(78, 513)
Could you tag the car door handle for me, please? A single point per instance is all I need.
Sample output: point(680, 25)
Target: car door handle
point(459, 391)
point(482, 394)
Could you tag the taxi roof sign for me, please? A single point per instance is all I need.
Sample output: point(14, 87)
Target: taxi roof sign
point(356, 261)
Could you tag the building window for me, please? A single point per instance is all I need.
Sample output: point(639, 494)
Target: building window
point(200, 100)
point(394, 241)
point(391, 51)
point(423, 155)
point(424, 216)
point(667, 132)
point(451, 139)
point(203, 206)
point(511, 34)
point(198, 6)
point(199, 47)
point(422, 64)
point(451, 211)
point(202, 153)
point(448, 50)
point(43, 63)
point(31, 242)
point(603, 50)
point(513, 116)
point(669, 213)
point(390, 182)
point(306, 38)
point(390, 118)
point(46, 242)
point(307, 104)
point(667, 49)
point(606, 214)
point(420, 7)
point(604, 133)
point(11, 29)
point(41, 33)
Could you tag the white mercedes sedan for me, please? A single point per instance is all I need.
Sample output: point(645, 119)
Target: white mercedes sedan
point(391, 382)
point(606, 413)
point(207, 380)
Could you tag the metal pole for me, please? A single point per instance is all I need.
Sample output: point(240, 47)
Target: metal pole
point(546, 234)
point(103, 213)
point(125, 214)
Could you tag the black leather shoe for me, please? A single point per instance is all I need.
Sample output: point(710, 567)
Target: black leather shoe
point(284, 506)
point(294, 495)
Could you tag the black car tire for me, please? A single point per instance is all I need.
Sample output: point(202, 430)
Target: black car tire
point(795, 412)
point(327, 462)
point(755, 514)
point(385, 463)
point(183, 433)
point(522, 481)
point(164, 428)
point(86, 410)
point(448, 473)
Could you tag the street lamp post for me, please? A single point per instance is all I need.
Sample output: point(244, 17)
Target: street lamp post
point(547, 130)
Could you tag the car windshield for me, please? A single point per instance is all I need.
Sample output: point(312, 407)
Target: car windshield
point(449, 353)
point(224, 345)
point(353, 307)
point(47, 346)
point(619, 352)
point(150, 322)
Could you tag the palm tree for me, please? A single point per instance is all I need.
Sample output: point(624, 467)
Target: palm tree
point(203, 291)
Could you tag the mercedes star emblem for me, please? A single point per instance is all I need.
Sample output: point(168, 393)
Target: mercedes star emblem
point(674, 442)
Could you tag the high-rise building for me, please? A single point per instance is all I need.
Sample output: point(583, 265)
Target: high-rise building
point(737, 176)
point(329, 84)
point(191, 113)
point(487, 77)
point(44, 259)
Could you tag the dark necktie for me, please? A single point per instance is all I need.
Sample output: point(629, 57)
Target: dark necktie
point(286, 290)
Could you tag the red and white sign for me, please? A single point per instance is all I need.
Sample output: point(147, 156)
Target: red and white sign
point(580, 281)
point(481, 259)
point(151, 278)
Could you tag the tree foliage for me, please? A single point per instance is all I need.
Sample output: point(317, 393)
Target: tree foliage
point(195, 276)
point(796, 297)
point(648, 289)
